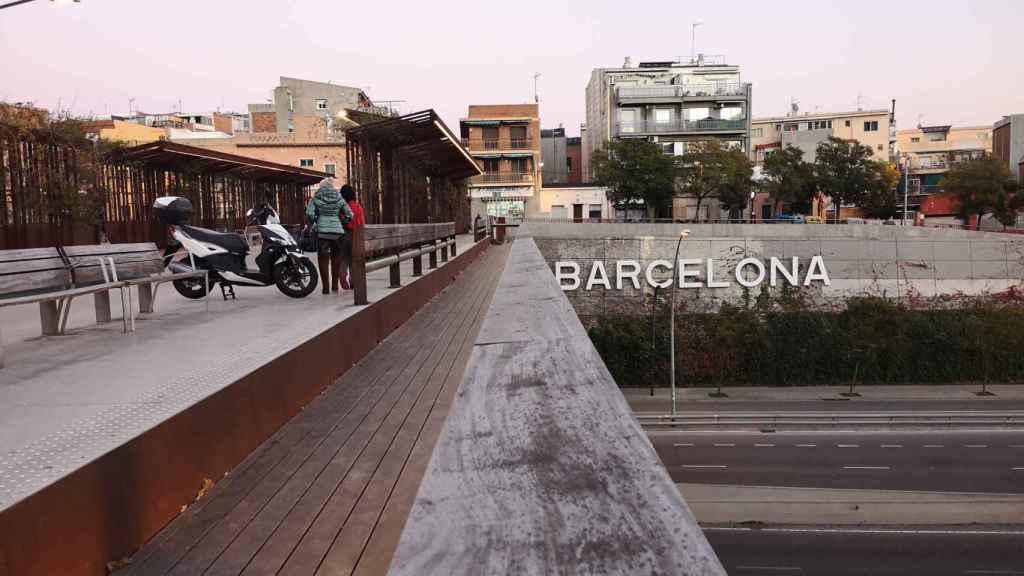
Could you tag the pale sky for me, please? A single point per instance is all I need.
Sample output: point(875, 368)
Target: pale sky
point(953, 62)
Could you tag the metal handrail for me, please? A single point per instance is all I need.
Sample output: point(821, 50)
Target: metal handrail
point(409, 255)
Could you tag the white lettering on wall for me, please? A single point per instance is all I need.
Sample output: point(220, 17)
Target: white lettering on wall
point(741, 277)
point(684, 273)
point(817, 271)
point(633, 274)
point(598, 275)
point(573, 276)
point(712, 283)
point(649, 273)
point(792, 275)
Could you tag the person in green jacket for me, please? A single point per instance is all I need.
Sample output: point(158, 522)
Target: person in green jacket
point(329, 212)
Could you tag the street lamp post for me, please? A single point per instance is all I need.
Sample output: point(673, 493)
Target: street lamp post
point(18, 2)
point(672, 322)
point(752, 194)
point(906, 185)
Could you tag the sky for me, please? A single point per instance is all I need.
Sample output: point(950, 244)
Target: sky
point(945, 62)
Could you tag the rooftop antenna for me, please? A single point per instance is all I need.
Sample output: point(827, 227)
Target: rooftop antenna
point(794, 106)
point(919, 118)
point(860, 98)
point(536, 96)
point(131, 106)
point(693, 39)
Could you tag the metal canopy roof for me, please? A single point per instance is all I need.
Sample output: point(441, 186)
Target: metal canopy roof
point(174, 156)
point(425, 138)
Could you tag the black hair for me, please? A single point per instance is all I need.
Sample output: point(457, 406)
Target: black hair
point(348, 193)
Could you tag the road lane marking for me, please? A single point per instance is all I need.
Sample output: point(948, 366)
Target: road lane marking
point(764, 445)
point(975, 446)
point(865, 531)
point(1019, 468)
point(682, 445)
point(724, 445)
point(848, 445)
point(892, 445)
point(934, 446)
point(1016, 445)
point(865, 468)
point(806, 445)
point(704, 466)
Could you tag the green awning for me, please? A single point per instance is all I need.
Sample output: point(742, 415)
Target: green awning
point(517, 154)
point(482, 122)
point(485, 155)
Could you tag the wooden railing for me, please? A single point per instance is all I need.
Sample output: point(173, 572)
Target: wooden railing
point(391, 244)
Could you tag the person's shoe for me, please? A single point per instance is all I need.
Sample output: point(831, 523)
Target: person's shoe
point(326, 291)
point(345, 285)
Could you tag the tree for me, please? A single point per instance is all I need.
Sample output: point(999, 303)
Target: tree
point(636, 171)
point(879, 200)
point(790, 180)
point(709, 169)
point(982, 186)
point(845, 172)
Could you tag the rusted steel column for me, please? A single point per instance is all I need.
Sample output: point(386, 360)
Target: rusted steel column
point(359, 265)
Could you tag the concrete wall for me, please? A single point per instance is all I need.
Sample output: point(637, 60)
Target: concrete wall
point(887, 261)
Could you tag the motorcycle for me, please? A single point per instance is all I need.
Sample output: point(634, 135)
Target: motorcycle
point(280, 262)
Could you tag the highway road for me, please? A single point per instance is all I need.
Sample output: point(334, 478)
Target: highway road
point(644, 404)
point(949, 461)
point(864, 551)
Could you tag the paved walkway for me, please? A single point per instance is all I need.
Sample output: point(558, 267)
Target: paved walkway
point(329, 493)
point(66, 400)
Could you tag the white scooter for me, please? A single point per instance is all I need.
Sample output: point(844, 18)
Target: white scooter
point(280, 262)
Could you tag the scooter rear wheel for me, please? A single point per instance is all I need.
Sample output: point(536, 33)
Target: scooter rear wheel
point(297, 282)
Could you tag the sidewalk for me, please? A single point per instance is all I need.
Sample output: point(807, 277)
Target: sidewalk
point(829, 398)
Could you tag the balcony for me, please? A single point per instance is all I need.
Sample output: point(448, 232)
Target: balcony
point(502, 179)
point(476, 145)
point(712, 90)
point(676, 126)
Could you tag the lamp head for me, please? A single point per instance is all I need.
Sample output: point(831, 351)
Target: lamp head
point(685, 233)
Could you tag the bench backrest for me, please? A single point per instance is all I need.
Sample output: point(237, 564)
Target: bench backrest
point(32, 270)
point(393, 236)
point(131, 260)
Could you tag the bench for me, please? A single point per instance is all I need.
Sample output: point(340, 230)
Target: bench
point(41, 276)
point(393, 244)
point(54, 277)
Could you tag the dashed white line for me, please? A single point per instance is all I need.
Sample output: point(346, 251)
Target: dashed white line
point(1018, 468)
point(682, 445)
point(764, 445)
point(975, 446)
point(934, 446)
point(724, 445)
point(704, 466)
point(865, 468)
point(806, 445)
point(892, 445)
point(1016, 445)
point(847, 445)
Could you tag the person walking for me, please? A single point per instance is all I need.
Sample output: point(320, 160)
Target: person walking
point(328, 211)
point(358, 221)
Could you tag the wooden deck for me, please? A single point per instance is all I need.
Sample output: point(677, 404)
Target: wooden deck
point(329, 493)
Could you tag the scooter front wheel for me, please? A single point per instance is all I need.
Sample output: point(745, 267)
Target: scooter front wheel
point(192, 288)
point(296, 281)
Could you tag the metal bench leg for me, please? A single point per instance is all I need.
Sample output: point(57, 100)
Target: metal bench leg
point(145, 298)
point(101, 301)
point(65, 311)
point(48, 317)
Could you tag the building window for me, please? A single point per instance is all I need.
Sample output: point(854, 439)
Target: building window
point(305, 162)
point(321, 103)
point(983, 136)
point(663, 115)
point(756, 132)
point(595, 212)
point(821, 124)
point(291, 126)
point(913, 186)
point(568, 163)
point(491, 165)
point(871, 126)
point(331, 169)
point(847, 123)
point(915, 140)
point(791, 127)
point(518, 165)
point(879, 147)
point(667, 148)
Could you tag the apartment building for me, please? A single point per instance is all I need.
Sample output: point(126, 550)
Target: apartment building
point(872, 128)
point(875, 129)
point(1008, 142)
point(560, 158)
point(504, 139)
point(670, 103)
point(926, 154)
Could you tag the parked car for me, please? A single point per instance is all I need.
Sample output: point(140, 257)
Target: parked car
point(790, 218)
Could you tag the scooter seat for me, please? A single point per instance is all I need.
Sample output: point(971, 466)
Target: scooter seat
point(226, 240)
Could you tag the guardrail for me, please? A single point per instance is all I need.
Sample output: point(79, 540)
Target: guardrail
point(404, 242)
point(807, 420)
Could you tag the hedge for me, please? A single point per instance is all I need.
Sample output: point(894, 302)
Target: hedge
point(869, 341)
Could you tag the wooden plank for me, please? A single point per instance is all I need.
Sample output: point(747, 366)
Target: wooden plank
point(95, 250)
point(282, 521)
point(337, 537)
point(382, 539)
point(28, 254)
point(541, 468)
